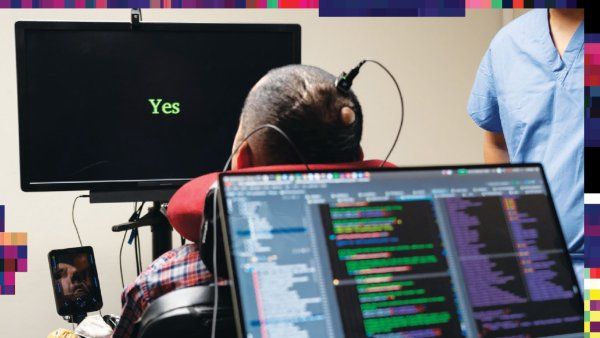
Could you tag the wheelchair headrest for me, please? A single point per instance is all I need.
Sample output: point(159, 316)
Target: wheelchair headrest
point(190, 208)
point(187, 206)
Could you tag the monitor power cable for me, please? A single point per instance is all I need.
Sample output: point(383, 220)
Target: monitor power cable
point(73, 217)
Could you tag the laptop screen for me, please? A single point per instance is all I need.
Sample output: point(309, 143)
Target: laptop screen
point(434, 252)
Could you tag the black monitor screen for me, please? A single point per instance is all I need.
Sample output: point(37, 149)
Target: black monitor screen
point(440, 252)
point(106, 107)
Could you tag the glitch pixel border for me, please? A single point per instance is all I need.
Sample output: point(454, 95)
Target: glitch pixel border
point(406, 8)
point(365, 8)
point(13, 255)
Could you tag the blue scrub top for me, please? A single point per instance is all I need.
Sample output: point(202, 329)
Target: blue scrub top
point(525, 90)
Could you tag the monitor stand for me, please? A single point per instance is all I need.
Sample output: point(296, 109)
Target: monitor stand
point(155, 218)
point(162, 232)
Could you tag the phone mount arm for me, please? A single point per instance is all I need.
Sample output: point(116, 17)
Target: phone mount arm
point(75, 318)
point(162, 232)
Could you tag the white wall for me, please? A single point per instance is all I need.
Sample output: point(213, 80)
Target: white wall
point(434, 59)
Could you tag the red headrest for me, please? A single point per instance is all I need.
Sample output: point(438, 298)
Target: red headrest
point(186, 208)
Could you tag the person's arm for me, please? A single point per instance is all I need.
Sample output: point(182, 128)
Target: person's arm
point(134, 302)
point(494, 148)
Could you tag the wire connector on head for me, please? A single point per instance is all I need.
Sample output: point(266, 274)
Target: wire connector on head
point(344, 81)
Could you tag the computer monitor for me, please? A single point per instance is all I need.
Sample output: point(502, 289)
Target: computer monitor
point(112, 107)
point(474, 251)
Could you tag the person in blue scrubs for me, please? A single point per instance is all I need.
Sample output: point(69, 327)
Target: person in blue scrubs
point(528, 96)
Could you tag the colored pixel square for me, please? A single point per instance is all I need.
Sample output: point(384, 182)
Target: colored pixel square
point(592, 120)
point(10, 252)
point(9, 278)
point(19, 238)
point(21, 251)
point(8, 290)
point(592, 238)
point(10, 265)
point(13, 254)
point(592, 251)
point(591, 296)
point(381, 8)
point(2, 213)
point(21, 265)
point(592, 81)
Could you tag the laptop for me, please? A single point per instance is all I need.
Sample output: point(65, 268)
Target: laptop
point(470, 251)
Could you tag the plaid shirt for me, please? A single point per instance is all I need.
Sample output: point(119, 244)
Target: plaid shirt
point(176, 269)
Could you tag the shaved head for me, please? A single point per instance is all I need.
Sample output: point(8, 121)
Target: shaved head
point(324, 123)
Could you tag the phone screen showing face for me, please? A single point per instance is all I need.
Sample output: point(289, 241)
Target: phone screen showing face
point(75, 280)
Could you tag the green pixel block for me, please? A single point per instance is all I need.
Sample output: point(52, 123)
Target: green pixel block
point(496, 3)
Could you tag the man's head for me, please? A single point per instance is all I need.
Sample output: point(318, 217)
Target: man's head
point(74, 277)
point(324, 123)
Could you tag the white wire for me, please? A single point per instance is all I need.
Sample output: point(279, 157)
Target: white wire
point(73, 217)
